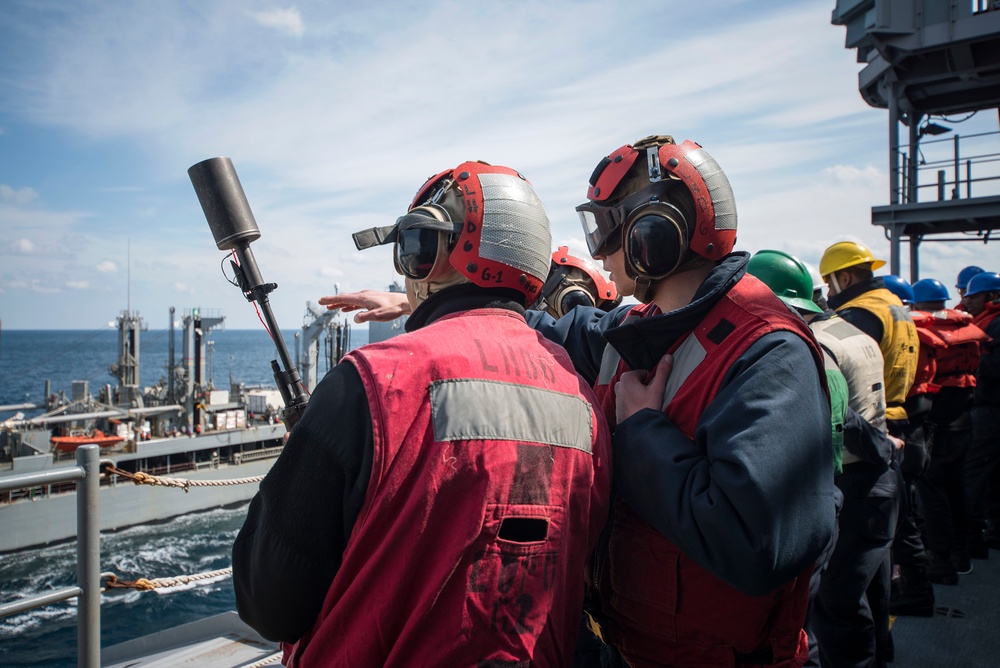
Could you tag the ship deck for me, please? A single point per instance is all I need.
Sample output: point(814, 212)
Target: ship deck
point(216, 642)
point(965, 632)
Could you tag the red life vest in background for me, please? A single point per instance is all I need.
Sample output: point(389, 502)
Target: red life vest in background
point(489, 487)
point(713, 623)
point(950, 348)
point(983, 320)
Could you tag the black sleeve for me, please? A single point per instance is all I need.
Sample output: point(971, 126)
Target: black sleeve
point(989, 366)
point(866, 321)
point(865, 441)
point(297, 527)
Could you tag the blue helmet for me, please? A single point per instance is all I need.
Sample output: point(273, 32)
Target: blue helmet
point(899, 287)
point(966, 275)
point(930, 290)
point(987, 281)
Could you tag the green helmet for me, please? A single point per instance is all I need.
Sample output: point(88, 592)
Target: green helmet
point(787, 276)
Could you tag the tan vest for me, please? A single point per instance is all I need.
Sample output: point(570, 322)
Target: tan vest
point(860, 360)
point(899, 345)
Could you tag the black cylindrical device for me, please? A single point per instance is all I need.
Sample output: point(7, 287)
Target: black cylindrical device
point(224, 203)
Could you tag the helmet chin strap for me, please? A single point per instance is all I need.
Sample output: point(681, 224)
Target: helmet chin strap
point(418, 291)
point(834, 284)
point(643, 289)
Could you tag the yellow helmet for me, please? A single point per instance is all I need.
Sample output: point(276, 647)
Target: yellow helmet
point(844, 254)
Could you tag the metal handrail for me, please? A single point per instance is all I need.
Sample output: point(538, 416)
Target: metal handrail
point(965, 153)
point(88, 552)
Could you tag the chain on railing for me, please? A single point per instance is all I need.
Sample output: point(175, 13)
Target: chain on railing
point(141, 478)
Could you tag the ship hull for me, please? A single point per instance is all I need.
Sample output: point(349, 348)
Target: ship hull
point(46, 518)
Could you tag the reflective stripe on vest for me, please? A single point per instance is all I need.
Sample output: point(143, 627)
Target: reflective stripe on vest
point(470, 409)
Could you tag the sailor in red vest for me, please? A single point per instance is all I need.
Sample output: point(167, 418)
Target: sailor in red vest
point(982, 299)
point(722, 445)
point(437, 501)
point(722, 436)
point(949, 354)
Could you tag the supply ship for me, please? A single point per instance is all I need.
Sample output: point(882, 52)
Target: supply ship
point(184, 429)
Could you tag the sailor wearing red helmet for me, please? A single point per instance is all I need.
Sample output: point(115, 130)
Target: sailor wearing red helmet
point(722, 437)
point(437, 501)
point(573, 282)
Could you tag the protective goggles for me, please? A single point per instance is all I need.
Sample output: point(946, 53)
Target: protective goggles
point(421, 238)
point(602, 224)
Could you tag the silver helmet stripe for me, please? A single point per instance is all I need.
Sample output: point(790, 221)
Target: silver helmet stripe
point(721, 192)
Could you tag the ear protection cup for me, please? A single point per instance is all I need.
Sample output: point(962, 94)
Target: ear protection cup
point(655, 238)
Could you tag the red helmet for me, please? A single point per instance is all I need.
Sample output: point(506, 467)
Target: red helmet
point(573, 282)
point(631, 204)
point(485, 219)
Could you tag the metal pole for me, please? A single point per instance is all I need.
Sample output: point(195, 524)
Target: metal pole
point(894, 250)
point(913, 178)
point(894, 145)
point(170, 363)
point(88, 558)
point(956, 193)
point(914, 258)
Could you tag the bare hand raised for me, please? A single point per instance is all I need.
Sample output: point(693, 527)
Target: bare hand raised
point(374, 304)
point(637, 389)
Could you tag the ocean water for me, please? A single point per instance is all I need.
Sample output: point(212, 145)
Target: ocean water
point(185, 545)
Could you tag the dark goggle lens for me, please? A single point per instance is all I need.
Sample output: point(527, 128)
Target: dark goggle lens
point(416, 250)
point(611, 244)
point(653, 247)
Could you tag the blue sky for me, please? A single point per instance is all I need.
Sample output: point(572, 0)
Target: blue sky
point(334, 113)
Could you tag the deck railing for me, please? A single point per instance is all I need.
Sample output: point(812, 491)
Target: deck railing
point(86, 473)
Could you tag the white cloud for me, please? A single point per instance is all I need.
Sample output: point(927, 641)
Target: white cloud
point(848, 175)
point(329, 272)
point(77, 285)
point(183, 287)
point(284, 20)
point(19, 196)
point(107, 267)
point(23, 246)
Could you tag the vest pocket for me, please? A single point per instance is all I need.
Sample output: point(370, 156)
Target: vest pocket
point(515, 571)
